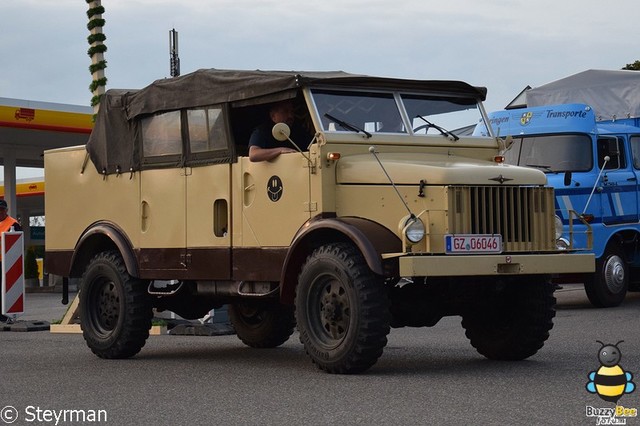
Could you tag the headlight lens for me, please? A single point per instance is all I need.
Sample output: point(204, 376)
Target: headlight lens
point(558, 227)
point(562, 244)
point(414, 230)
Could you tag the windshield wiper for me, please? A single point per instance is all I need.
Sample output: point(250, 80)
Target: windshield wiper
point(347, 126)
point(540, 166)
point(443, 132)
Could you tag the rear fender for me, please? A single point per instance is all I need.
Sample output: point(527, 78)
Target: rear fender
point(99, 237)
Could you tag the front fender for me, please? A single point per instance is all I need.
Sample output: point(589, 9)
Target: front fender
point(371, 238)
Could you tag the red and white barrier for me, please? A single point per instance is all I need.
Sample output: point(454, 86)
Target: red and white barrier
point(12, 273)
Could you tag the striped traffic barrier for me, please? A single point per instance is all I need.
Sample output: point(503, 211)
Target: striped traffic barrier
point(12, 273)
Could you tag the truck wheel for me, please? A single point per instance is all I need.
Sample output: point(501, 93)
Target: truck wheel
point(115, 310)
point(342, 310)
point(607, 287)
point(262, 326)
point(515, 323)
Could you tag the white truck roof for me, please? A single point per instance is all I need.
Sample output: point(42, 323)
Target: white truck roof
point(612, 94)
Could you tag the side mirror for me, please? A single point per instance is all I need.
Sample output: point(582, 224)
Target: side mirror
point(281, 132)
point(567, 178)
point(613, 147)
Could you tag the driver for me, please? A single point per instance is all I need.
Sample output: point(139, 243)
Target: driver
point(263, 146)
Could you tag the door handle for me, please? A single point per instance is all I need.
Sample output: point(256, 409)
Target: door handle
point(632, 179)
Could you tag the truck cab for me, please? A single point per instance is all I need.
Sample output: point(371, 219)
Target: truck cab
point(594, 167)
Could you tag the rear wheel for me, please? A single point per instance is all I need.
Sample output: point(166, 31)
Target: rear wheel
point(262, 325)
point(115, 309)
point(607, 287)
point(342, 310)
point(514, 322)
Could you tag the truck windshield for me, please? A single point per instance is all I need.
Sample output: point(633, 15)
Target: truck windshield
point(552, 153)
point(393, 113)
point(371, 112)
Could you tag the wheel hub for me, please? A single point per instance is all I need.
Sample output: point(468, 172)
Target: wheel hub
point(108, 307)
point(334, 311)
point(614, 274)
point(331, 310)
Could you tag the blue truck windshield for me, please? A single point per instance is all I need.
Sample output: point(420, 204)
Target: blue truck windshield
point(552, 153)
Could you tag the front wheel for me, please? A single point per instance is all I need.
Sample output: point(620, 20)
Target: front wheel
point(513, 322)
point(264, 325)
point(115, 310)
point(342, 310)
point(607, 287)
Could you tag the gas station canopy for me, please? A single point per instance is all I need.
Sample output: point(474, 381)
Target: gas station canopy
point(28, 128)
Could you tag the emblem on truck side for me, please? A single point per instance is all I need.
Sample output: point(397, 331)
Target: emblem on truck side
point(274, 188)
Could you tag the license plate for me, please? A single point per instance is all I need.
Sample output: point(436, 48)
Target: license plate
point(472, 243)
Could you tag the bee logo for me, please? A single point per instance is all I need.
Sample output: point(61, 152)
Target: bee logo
point(610, 382)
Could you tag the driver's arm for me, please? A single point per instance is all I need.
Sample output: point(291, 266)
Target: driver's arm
point(257, 153)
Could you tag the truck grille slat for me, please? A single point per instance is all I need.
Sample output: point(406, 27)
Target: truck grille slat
point(522, 215)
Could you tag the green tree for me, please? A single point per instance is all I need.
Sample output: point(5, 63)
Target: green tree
point(634, 66)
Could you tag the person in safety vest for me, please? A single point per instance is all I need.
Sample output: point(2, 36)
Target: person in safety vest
point(6, 222)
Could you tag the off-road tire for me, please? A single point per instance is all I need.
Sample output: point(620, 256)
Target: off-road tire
point(607, 287)
point(515, 323)
point(342, 310)
point(264, 325)
point(115, 309)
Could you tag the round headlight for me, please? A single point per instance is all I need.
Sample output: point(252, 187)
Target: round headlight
point(414, 230)
point(558, 227)
point(562, 244)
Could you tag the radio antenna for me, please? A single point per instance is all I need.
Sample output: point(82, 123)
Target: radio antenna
point(174, 60)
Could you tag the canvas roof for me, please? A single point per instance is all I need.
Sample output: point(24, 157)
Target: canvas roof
point(113, 148)
point(611, 93)
point(212, 86)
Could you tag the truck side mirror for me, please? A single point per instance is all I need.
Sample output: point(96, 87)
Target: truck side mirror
point(567, 178)
point(613, 147)
point(281, 132)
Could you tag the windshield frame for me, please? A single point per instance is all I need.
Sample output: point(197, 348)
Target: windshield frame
point(318, 112)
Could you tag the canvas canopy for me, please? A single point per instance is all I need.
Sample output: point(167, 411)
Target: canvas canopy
point(612, 94)
point(113, 145)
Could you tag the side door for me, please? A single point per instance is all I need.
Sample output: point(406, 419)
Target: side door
point(208, 194)
point(634, 145)
point(619, 182)
point(185, 195)
point(162, 197)
point(274, 205)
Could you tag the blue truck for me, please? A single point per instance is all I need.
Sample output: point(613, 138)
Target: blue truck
point(594, 166)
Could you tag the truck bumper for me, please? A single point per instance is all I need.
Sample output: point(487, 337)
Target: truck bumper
point(500, 264)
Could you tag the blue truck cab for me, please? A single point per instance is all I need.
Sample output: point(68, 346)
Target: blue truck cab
point(594, 167)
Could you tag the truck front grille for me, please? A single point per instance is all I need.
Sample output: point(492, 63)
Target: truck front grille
point(524, 216)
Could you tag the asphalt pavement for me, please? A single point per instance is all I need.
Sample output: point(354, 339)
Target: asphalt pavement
point(425, 376)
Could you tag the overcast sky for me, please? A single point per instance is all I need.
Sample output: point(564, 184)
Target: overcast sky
point(501, 44)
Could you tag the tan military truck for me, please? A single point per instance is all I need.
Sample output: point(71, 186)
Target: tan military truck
point(381, 218)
